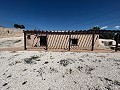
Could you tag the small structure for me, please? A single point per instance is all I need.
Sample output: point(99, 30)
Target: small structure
point(64, 40)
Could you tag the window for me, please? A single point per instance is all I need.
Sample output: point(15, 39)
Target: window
point(74, 41)
point(28, 37)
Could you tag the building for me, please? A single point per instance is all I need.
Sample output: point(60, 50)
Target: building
point(63, 40)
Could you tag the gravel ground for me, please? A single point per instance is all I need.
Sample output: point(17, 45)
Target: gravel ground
point(34, 70)
point(11, 42)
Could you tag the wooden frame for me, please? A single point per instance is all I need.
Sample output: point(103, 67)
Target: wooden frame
point(93, 32)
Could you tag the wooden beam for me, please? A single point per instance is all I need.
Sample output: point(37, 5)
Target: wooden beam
point(25, 40)
point(69, 41)
point(116, 48)
point(46, 41)
point(93, 38)
point(72, 32)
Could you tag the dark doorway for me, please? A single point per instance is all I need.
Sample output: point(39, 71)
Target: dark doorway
point(43, 40)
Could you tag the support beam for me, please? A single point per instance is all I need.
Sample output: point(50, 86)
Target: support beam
point(46, 41)
point(93, 38)
point(25, 40)
point(69, 41)
point(117, 39)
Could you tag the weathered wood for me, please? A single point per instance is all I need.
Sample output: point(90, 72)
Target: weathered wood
point(72, 32)
point(116, 48)
point(69, 41)
point(25, 41)
point(46, 41)
point(57, 35)
point(93, 38)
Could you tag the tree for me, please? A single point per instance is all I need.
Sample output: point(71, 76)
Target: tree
point(19, 26)
point(96, 28)
point(109, 35)
point(1, 26)
point(105, 35)
point(16, 25)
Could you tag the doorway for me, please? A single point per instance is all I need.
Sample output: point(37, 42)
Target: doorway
point(43, 40)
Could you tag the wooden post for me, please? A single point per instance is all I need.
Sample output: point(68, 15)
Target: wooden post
point(46, 41)
point(69, 40)
point(93, 37)
point(117, 39)
point(25, 40)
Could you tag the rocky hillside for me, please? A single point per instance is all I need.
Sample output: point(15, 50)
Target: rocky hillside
point(10, 32)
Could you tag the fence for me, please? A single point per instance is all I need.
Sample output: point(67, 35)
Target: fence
point(69, 40)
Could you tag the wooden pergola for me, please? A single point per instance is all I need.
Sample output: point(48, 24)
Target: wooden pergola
point(93, 32)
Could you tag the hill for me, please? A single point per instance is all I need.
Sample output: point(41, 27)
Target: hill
point(10, 32)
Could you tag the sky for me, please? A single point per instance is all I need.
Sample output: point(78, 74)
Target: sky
point(60, 14)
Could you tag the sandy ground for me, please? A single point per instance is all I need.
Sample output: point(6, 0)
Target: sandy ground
point(11, 42)
point(40, 70)
point(34, 70)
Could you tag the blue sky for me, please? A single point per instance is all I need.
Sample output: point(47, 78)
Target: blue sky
point(60, 14)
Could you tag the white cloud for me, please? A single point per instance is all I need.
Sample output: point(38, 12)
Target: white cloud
point(117, 27)
point(104, 27)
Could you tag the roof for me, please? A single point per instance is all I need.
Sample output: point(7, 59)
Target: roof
point(72, 32)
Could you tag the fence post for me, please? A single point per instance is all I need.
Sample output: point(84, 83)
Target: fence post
point(93, 37)
point(25, 40)
point(46, 41)
point(117, 39)
point(69, 40)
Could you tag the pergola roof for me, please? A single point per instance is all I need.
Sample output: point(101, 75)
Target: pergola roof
point(71, 32)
